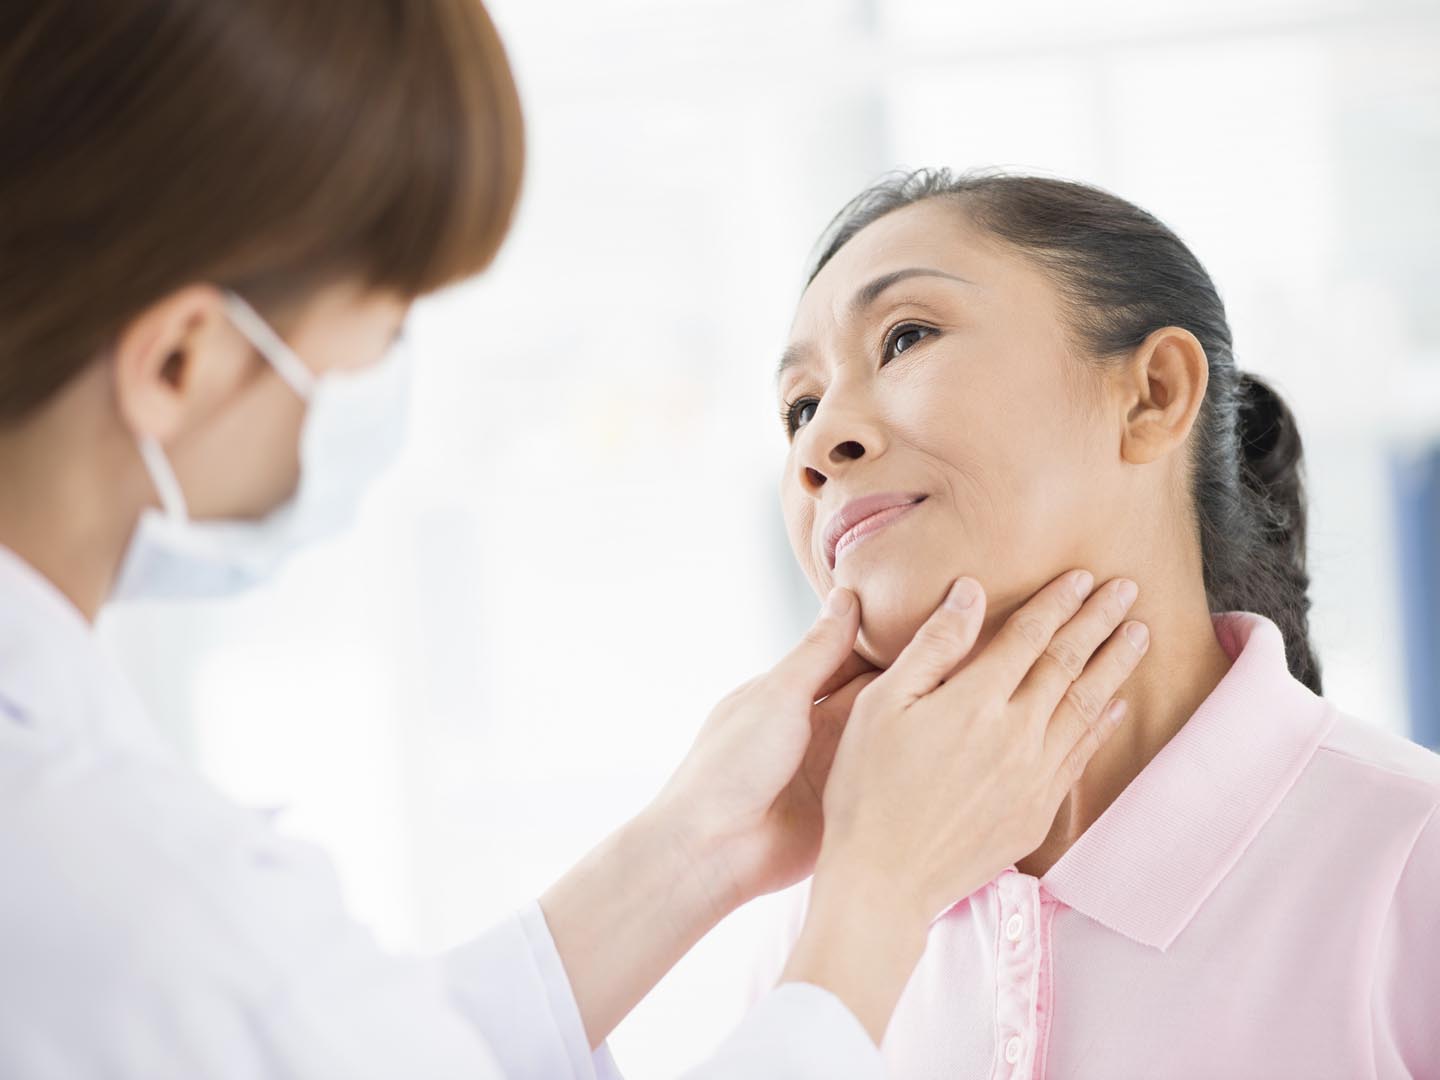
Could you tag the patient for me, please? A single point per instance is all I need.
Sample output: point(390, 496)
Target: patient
point(1007, 376)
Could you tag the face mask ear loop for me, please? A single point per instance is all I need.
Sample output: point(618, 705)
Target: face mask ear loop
point(281, 357)
point(167, 486)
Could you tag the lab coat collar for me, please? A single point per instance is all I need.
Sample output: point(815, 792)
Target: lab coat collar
point(56, 680)
point(1148, 863)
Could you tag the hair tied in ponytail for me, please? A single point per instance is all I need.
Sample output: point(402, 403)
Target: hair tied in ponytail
point(1269, 442)
point(1262, 416)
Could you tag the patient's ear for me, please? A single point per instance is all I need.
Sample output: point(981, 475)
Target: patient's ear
point(1162, 385)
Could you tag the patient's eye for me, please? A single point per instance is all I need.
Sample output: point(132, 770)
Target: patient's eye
point(905, 336)
point(796, 415)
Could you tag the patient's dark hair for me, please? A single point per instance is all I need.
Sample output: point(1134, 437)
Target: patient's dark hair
point(1122, 275)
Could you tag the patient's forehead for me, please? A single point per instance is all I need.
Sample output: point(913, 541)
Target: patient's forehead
point(935, 233)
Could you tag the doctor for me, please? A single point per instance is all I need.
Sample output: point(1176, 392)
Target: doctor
point(215, 217)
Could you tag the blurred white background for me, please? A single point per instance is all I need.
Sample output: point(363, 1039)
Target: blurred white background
point(581, 549)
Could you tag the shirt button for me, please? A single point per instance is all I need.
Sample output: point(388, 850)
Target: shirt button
point(1013, 926)
point(1012, 1050)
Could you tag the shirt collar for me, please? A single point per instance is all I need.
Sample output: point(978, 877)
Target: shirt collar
point(1150, 860)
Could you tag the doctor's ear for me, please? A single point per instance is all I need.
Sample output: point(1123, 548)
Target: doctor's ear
point(175, 360)
point(1163, 385)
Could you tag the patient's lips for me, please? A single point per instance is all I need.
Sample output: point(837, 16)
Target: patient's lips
point(862, 517)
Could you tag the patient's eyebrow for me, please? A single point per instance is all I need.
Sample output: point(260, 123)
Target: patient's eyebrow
point(793, 356)
point(871, 292)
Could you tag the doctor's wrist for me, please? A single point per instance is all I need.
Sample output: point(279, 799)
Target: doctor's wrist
point(700, 857)
point(861, 941)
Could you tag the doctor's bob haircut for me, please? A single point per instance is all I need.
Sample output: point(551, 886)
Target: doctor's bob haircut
point(266, 146)
point(1123, 274)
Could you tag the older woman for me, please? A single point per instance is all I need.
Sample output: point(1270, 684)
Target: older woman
point(1000, 376)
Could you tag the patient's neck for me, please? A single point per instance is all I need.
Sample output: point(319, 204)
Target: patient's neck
point(1183, 664)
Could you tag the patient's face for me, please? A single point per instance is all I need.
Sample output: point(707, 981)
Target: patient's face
point(963, 395)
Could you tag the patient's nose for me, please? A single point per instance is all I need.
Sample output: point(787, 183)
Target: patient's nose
point(840, 454)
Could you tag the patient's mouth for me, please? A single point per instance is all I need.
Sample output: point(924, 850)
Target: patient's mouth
point(865, 517)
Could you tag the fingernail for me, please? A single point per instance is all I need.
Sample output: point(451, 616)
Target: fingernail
point(1127, 591)
point(1084, 582)
point(963, 594)
point(839, 601)
point(1139, 635)
point(1116, 712)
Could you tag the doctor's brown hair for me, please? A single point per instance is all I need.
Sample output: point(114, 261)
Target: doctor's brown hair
point(267, 146)
point(1122, 275)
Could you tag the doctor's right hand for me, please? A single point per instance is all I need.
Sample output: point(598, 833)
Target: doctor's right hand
point(943, 778)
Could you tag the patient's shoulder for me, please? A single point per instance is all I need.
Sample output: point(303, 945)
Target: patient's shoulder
point(1390, 758)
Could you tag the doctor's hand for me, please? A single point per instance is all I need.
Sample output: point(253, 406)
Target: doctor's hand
point(740, 816)
point(944, 778)
point(747, 797)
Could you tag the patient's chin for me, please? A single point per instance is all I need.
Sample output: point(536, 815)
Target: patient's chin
point(881, 646)
point(887, 624)
point(897, 595)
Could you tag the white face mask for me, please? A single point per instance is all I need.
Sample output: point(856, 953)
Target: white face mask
point(354, 426)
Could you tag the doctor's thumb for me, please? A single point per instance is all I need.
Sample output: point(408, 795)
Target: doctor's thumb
point(826, 648)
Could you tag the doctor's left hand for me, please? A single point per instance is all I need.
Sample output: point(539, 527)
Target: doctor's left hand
point(741, 816)
point(747, 798)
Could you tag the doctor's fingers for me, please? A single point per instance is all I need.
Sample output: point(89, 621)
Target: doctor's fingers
point(1055, 672)
point(1089, 711)
point(1027, 634)
point(942, 641)
point(825, 657)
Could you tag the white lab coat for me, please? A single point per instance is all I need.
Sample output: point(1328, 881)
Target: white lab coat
point(151, 930)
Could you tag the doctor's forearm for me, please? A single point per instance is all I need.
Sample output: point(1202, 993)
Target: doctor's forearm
point(628, 911)
point(861, 941)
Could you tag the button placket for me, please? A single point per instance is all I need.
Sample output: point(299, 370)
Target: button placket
point(1018, 959)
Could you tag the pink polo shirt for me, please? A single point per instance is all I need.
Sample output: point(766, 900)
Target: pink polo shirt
point(1263, 900)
